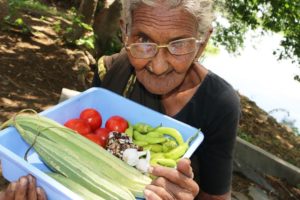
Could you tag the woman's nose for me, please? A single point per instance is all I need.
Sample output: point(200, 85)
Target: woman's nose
point(159, 64)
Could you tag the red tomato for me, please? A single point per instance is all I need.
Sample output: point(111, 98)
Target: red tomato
point(93, 138)
point(79, 126)
point(92, 117)
point(116, 123)
point(102, 134)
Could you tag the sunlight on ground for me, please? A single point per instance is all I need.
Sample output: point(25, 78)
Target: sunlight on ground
point(26, 45)
point(283, 141)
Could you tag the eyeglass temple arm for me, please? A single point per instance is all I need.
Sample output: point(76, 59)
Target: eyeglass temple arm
point(162, 46)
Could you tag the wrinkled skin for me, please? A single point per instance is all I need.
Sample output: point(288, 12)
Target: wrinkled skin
point(23, 189)
point(162, 25)
point(172, 183)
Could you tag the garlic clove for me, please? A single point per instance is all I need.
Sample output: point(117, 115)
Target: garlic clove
point(143, 165)
point(131, 156)
point(148, 156)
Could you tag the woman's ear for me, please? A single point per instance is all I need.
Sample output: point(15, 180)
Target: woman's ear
point(204, 44)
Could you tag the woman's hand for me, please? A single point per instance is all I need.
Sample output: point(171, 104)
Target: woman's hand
point(23, 189)
point(172, 183)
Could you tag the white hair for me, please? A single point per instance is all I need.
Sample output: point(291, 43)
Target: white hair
point(202, 10)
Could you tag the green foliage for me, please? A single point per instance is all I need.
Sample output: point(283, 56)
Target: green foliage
point(14, 19)
point(232, 37)
point(290, 123)
point(57, 26)
point(114, 45)
point(244, 136)
point(286, 120)
point(87, 41)
point(279, 16)
point(211, 49)
point(30, 5)
point(101, 4)
point(16, 23)
point(67, 31)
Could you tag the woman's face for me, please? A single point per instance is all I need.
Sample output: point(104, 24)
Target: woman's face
point(161, 25)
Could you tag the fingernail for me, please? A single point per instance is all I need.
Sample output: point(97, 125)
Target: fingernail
point(39, 190)
point(30, 179)
point(192, 176)
point(23, 181)
point(147, 193)
point(150, 169)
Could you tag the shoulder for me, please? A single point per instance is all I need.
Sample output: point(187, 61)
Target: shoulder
point(219, 93)
point(216, 103)
point(107, 63)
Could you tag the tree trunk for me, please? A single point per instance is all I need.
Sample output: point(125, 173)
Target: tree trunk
point(3, 9)
point(87, 11)
point(106, 24)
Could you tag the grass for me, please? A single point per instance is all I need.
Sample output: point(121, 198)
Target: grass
point(36, 7)
point(244, 136)
point(31, 5)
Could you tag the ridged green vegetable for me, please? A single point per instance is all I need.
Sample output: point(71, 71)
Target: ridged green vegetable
point(75, 187)
point(60, 160)
point(91, 155)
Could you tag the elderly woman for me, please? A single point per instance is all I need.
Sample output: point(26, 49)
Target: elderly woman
point(158, 68)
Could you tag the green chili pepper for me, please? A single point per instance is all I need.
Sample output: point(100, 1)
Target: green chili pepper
point(169, 145)
point(129, 130)
point(163, 162)
point(171, 132)
point(140, 143)
point(179, 151)
point(151, 140)
point(156, 148)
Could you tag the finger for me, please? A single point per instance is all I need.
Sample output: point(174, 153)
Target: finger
point(174, 190)
point(173, 175)
point(21, 188)
point(41, 195)
point(9, 194)
point(165, 186)
point(32, 194)
point(150, 194)
point(184, 166)
point(2, 195)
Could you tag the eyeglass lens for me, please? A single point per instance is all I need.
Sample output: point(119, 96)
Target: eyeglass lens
point(178, 47)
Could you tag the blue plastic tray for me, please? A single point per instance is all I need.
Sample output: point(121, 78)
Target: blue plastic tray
point(13, 147)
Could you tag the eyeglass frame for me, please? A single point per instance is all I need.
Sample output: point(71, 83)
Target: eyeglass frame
point(197, 42)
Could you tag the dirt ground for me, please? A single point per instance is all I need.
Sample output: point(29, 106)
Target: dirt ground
point(35, 68)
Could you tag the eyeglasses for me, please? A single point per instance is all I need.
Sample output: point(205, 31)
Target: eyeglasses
point(176, 47)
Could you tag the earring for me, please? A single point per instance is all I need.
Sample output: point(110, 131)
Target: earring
point(149, 68)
